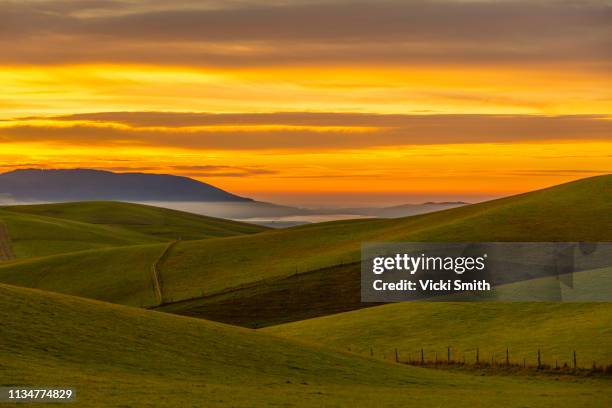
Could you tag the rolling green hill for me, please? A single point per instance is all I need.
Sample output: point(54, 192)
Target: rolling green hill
point(100, 250)
point(279, 276)
point(337, 290)
point(157, 222)
point(556, 328)
point(35, 235)
point(120, 356)
point(577, 211)
point(48, 229)
point(586, 286)
point(119, 275)
point(297, 297)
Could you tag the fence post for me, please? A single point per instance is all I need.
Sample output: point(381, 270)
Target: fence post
point(507, 358)
point(539, 360)
point(574, 359)
point(477, 355)
point(396, 356)
point(422, 357)
point(448, 354)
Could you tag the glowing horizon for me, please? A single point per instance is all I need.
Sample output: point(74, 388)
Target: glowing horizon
point(324, 103)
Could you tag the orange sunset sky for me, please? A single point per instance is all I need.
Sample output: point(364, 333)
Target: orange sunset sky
point(313, 102)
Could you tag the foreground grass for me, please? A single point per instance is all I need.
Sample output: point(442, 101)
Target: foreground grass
point(119, 356)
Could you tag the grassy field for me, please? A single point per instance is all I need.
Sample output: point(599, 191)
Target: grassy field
point(577, 211)
point(335, 290)
point(117, 356)
point(157, 222)
point(263, 273)
point(100, 250)
point(118, 275)
point(556, 328)
point(584, 286)
point(298, 297)
point(37, 236)
point(127, 356)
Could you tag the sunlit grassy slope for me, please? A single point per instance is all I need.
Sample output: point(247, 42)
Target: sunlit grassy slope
point(260, 268)
point(120, 356)
point(577, 211)
point(556, 328)
point(101, 250)
point(34, 236)
point(119, 275)
point(153, 221)
point(585, 286)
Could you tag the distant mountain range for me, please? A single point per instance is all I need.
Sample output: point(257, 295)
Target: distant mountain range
point(87, 184)
point(181, 193)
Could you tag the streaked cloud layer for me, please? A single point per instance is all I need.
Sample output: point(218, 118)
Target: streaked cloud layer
point(312, 97)
point(221, 33)
point(299, 130)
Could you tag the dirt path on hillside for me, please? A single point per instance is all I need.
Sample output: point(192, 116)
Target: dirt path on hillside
point(157, 280)
point(6, 252)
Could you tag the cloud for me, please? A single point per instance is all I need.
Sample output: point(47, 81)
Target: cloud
point(221, 171)
point(289, 32)
point(299, 130)
point(559, 172)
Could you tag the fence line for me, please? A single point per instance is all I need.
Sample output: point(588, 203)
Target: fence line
point(6, 251)
point(570, 366)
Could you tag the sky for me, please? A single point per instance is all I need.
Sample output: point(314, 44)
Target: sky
point(313, 102)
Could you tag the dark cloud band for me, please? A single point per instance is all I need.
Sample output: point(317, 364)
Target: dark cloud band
point(302, 130)
point(300, 33)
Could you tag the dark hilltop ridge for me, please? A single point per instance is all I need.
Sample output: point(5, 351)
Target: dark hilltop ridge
point(89, 184)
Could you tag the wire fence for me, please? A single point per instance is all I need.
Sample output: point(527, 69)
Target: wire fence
point(536, 360)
